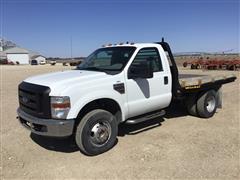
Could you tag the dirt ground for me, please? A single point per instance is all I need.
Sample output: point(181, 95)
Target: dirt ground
point(176, 146)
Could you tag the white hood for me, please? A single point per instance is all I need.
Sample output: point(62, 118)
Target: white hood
point(66, 78)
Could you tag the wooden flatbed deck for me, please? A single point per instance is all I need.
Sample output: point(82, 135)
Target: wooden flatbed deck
point(193, 81)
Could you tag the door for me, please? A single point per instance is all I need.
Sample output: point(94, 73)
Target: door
point(146, 95)
point(21, 58)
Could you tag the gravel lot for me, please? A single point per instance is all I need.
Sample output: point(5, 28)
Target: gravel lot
point(177, 146)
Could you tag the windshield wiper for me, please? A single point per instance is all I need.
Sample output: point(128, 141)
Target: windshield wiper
point(90, 69)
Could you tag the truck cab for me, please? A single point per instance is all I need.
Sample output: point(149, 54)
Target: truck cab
point(116, 83)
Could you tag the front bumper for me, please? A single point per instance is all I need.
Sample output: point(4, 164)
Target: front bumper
point(46, 127)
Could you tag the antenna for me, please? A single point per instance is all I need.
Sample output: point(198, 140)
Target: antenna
point(71, 46)
point(162, 39)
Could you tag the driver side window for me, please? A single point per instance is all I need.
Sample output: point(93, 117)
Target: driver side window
point(147, 54)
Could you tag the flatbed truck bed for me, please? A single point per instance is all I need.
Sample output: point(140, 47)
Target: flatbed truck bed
point(197, 82)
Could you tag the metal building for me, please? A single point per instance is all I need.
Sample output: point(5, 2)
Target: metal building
point(17, 54)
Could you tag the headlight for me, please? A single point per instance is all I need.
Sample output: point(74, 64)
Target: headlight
point(60, 106)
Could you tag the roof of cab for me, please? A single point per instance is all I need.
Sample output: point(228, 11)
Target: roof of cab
point(137, 45)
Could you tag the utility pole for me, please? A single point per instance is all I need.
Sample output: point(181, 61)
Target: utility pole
point(1, 25)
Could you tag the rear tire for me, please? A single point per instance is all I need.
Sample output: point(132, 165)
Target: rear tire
point(191, 104)
point(207, 104)
point(96, 132)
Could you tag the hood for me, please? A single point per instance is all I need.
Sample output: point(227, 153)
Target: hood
point(65, 78)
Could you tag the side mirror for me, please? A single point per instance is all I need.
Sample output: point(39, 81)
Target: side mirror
point(142, 69)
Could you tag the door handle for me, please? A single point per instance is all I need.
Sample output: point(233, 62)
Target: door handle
point(165, 79)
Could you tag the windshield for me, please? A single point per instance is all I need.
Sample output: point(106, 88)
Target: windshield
point(111, 60)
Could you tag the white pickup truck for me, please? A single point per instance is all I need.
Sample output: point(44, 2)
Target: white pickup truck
point(127, 83)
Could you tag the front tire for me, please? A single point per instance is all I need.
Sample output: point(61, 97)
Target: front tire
point(96, 132)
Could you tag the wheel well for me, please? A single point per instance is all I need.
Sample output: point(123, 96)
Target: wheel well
point(104, 103)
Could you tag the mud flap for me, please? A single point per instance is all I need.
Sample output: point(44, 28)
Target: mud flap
point(219, 98)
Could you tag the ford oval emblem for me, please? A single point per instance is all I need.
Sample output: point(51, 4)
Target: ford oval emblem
point(25, 99)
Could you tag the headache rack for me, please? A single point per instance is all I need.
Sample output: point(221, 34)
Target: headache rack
point(184, 84)
point(176, 87)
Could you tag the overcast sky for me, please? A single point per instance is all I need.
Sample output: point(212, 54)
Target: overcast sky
point(47, 26)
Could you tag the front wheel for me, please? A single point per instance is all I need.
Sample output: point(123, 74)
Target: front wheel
point(96, 132)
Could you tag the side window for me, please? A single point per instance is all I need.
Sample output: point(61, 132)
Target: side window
point(146, 54)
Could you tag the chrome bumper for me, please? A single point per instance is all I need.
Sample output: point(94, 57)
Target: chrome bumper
point(46, 127)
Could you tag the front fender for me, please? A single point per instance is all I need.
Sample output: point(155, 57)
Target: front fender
point(78, 104)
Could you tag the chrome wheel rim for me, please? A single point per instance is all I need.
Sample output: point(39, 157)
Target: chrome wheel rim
point(100, 133)
point(211, 103)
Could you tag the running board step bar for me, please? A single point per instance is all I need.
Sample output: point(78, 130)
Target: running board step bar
point(146, 117)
